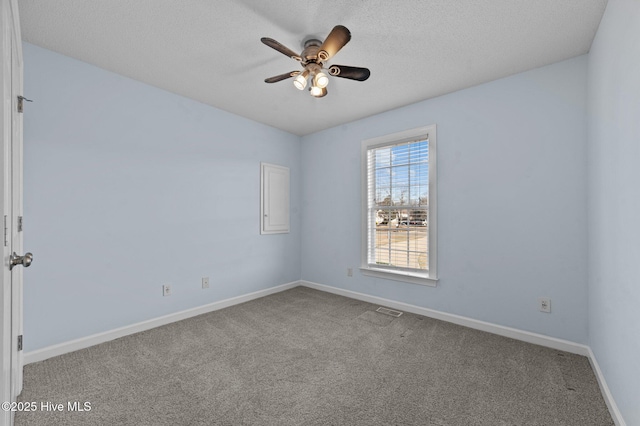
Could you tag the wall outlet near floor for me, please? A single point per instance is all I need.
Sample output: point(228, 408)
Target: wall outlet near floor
point(166, 290)
point(544, 304)
point(205, 282)
point(349, 272)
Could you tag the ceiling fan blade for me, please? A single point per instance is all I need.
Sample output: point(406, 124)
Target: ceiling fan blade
point(280, 48)
point(352, 73)
point(281, 77)
point(337, 38)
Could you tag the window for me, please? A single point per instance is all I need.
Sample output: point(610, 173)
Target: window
point(399, 206)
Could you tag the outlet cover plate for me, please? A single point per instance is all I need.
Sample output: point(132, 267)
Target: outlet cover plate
point(544, 304)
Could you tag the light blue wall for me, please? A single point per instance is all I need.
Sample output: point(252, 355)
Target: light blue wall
point(614, 203)
point(512, 194)
point(128, 187)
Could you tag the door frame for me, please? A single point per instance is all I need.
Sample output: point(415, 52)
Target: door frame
point(11, 134)
point(15, 233)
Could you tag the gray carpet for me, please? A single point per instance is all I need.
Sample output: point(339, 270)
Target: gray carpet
point(305, 357)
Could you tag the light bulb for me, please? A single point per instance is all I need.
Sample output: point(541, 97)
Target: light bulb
point(318, 92)
point(300, 81)
point(321, 80)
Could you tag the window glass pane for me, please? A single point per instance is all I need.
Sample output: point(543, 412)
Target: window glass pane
point(418, 217)
point(399, 222)
point(414, 195)
point(383, 197)
point(383, 177)
point(419, 173)
point(399, 258)
point(419, 152)
point(400, 176)
point(400, 155)
point(383, 157)
point(400, 195)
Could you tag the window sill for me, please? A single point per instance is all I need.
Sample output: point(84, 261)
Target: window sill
point(421, 279)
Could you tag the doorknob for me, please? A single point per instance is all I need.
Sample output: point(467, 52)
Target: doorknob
point(20, 260)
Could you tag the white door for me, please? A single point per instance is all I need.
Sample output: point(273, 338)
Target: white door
point(274, 208)
point(11, 207)
point(17, 223)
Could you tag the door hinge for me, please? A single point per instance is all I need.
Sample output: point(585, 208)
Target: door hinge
point(19, 223)
point(5, 231)
point(21, 100)
point(20, 342)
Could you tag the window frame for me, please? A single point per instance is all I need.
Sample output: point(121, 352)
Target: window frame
point(430, 277)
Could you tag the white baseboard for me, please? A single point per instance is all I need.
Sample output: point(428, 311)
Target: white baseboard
point(514, 333)
point(95, 339)
point(616, 415)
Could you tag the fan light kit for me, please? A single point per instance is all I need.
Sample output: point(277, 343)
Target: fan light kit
point(312, 59)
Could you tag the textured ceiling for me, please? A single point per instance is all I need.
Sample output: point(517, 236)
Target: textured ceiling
point(210, 50)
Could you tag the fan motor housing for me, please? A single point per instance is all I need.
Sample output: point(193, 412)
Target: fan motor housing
point(310, 52)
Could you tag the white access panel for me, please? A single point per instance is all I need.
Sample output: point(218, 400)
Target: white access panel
point(274, 199)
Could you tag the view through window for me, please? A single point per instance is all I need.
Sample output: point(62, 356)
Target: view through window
point(398, 205)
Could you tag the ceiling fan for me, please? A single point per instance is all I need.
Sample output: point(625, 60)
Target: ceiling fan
point(312, 59)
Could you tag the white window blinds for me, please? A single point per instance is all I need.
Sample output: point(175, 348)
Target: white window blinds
point(398, 206)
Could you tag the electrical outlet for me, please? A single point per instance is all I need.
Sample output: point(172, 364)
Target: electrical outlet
point(166, 290)
point(544, 304)
point(349, 272)
point(205, 282)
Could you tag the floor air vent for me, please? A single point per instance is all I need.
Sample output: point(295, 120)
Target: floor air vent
point(388, 311)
